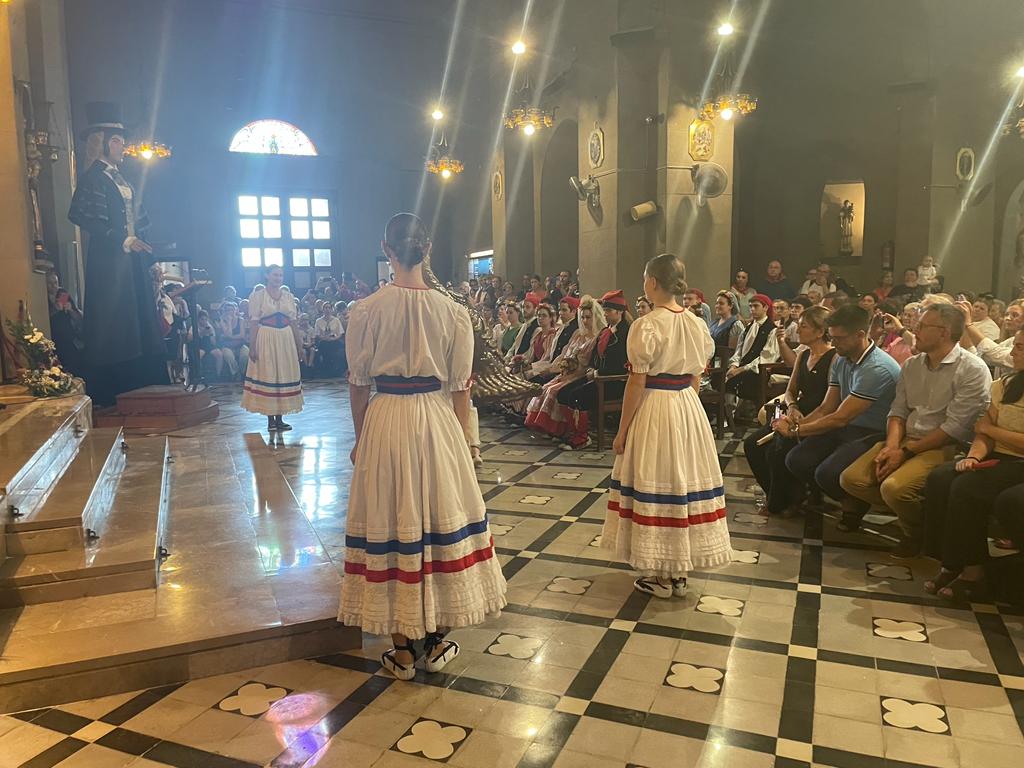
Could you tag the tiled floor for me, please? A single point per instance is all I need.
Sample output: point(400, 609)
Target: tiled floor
point(812, 647)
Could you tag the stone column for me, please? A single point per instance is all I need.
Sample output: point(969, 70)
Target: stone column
point(15, 221)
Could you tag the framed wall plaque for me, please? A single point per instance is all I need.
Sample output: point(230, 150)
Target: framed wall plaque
point(702, 139)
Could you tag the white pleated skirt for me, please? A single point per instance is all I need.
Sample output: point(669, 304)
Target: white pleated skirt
point(418, 550)
point(666, 509)
point(273, 382)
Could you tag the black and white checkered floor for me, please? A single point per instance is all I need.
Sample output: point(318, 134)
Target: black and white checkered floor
point(811, 648)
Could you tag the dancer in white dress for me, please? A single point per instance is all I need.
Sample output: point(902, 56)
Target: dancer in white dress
point(273, 383)
point(419, 558)
point(666, 510)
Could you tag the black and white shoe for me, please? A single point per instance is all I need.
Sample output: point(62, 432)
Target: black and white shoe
point(402, 672)
point(651, 586)
point(437, 663)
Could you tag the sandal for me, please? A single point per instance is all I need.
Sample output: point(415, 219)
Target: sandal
point(964, 591)
point(402, 672)
point(942, 579)
point(649, 585)
point(436, 663)
point(679, 587)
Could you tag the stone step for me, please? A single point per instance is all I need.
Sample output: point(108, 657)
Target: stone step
point(35, 438)
point(126, 554)
point(156, 422)
point(85, 488)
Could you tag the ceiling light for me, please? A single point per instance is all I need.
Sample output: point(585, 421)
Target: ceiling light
point(529, 129)
point(726, 113)
point(147, 150)
point(518, 47)
point(725, 29)
point(437, 114)
point(1020, 72)
point(446, 173)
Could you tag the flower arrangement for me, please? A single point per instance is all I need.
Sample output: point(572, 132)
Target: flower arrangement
point(42, 375)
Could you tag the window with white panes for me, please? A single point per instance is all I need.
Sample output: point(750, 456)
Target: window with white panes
point(292, 231)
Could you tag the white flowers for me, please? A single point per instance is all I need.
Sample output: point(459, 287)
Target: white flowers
point(900, 630)
point(252, 699)
point(516, 647)
point(726, 606)
point(906, 714)
point(434, 741)
point(703, 679)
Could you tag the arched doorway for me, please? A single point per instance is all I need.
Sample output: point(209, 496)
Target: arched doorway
point(559, 208)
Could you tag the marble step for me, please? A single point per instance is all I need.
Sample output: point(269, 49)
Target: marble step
point(126, 554)
point(83, 491)
point(37, 440)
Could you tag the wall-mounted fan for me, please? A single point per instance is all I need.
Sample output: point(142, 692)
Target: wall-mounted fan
point(587, 190)
point(709, 180)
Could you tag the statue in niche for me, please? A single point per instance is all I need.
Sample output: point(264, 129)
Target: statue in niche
point(846, 229)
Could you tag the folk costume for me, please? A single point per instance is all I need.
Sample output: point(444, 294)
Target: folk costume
point(124, 348)
point(419, 557)
point(666, 510)
point(273, 383)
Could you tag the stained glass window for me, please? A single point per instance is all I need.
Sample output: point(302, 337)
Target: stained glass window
point(272, 137)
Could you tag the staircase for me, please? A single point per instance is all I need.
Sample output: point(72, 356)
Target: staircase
point(81, 509)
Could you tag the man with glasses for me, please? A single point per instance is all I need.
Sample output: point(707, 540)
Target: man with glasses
point(852, 417)
point(941, 393)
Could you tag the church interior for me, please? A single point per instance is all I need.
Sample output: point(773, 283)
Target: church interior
point(843, 181)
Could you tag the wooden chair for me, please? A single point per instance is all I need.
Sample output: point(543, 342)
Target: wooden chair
point(605, 405)
point(768, 390)
point(715, 397)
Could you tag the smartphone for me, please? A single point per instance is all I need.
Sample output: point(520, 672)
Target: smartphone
point(984, 464)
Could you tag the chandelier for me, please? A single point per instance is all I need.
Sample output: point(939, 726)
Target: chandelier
point(525, 115)
point(441, 162)
point(727, 103)
point(147, 150)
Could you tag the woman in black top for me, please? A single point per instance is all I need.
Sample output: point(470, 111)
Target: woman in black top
point(807, 388)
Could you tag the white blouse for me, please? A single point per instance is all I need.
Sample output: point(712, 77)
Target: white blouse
point(410, 332)
point(262, 304)
point(663, 341)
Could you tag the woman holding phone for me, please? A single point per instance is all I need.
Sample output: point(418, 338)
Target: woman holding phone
point(960, 497)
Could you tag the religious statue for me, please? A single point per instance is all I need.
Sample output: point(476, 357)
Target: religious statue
point(124, 349)
point(846, 229)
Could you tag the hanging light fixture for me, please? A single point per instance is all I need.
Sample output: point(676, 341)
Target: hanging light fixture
point(148, 150)
point(727, 103)
point(441, 162)
point(524, 114)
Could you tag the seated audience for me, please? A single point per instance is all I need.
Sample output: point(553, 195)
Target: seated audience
point(784, 492)
point(207, 342)
point(835, 300)
point(726, 327)
point(643, 306)
point(546, 368)
point(743, 292)
point(781, 312)
point(65, 326)
point(693, 300)
point(775, 284)
point(941, 392)
point(996, 311)
point(981, 321)
point(995, 354)
point(898, 332)
point(232, 340)
point(609, 359)
point(498, 331)
point(852, 417)
point(869, 303)
point(910, 289)
point(796, 308)
point(757, 345)
point(961, 497)
point(514, 316)
point(821, 276)
point(542, 343)
point(816, 296)
point(522, 340)
point(329, 332)
point(307, 334)
point(544, 413)
point(884, 286)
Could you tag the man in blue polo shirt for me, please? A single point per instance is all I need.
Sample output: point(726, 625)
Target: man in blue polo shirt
point(851, 418)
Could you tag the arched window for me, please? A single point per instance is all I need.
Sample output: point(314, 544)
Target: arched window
point(272, 137)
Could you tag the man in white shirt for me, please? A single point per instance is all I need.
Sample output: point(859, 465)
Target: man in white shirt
point(329, 333)
point(757, 344)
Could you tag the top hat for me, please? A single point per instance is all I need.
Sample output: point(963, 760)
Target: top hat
point(102, 116)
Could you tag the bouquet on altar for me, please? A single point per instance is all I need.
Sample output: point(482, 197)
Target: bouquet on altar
point(42, 374)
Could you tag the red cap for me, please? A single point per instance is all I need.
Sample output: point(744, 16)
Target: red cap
point(614, 300)
point(533, 298)
point(767, 302)
point(572, 301)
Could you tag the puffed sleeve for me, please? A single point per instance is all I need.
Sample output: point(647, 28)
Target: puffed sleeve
point(291, 306)
point(256, 304)
point(460, 358)
point(640, 346)
point(359, 346)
